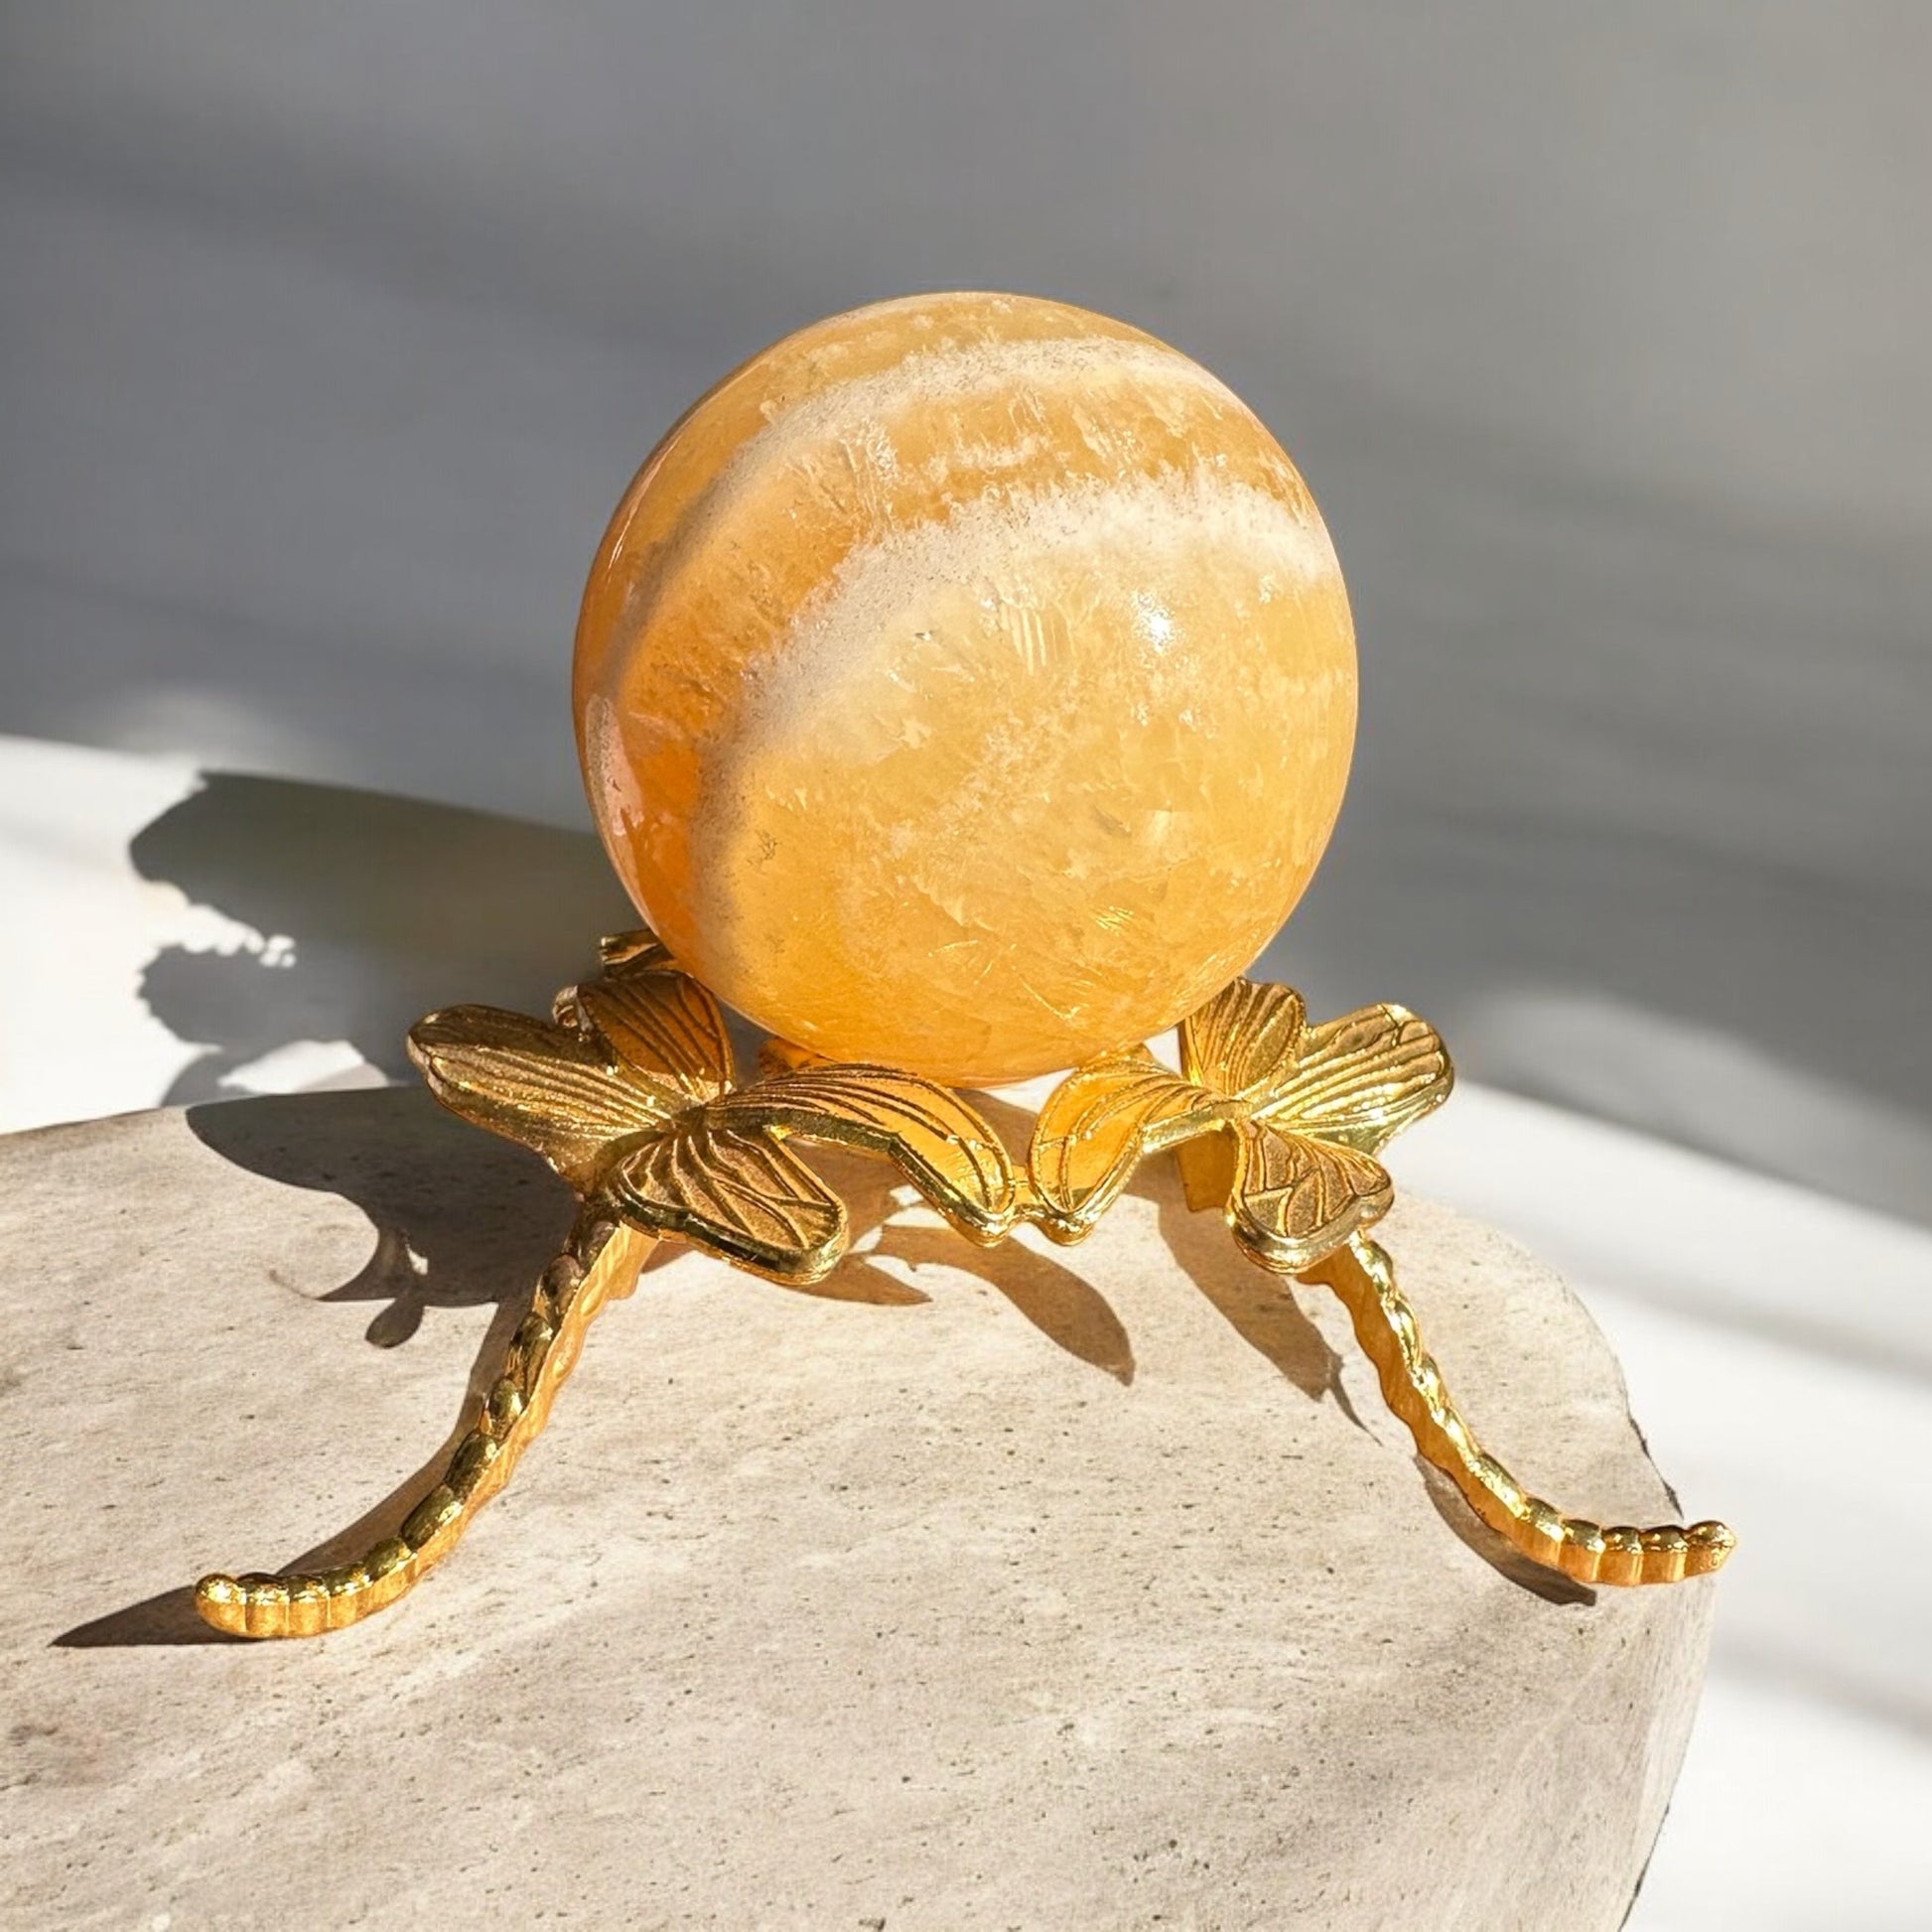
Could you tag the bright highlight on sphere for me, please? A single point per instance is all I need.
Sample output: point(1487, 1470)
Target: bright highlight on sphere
point(966, 683)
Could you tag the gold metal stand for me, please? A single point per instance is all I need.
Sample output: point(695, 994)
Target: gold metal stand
point(628, 1092)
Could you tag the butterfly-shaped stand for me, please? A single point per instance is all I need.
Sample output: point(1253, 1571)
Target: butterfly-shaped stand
point(627, 1091)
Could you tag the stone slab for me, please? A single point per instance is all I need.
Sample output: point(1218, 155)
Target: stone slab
point(1042, 1589)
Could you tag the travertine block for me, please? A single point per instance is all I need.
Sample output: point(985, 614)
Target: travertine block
point(1080, 1590)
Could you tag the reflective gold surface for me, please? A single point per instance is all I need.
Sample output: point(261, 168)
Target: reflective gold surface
point(627, 1091)
point(1363, 1275)
point(967, 684)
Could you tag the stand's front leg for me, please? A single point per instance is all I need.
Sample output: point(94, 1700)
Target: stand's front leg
point(599, 1264)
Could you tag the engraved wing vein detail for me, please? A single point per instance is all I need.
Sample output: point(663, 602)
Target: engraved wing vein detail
point(1310, 1108)
point(1295, 1198)
point(626, 1091)
point(739, 1195)
point(1099, 1124)
point(542, 1084)
point(1242, 1037)
point(662, 1021)
point(1361, 1079)
point(937, 1141)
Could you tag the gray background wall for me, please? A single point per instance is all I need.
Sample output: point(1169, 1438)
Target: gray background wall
point(328, 335)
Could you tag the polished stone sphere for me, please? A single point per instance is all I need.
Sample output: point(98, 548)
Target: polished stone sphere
point(966, 683)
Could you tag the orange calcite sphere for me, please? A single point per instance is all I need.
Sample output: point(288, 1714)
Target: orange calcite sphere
point(966, 683)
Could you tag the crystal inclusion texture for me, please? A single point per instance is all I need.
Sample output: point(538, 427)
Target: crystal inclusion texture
point(966, 683)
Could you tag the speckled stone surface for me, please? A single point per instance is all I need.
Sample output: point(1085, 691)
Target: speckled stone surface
point(968, 683)
point(1083, 1591)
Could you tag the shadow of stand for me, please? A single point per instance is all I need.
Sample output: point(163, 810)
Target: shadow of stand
point(1066, 1308)
point(1259, 1307)
point(373, 910)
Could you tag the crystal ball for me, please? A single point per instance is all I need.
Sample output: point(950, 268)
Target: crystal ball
point(966, 684)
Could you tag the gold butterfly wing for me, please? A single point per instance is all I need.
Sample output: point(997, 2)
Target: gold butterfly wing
point(736, 1193)
point(1295, 1200)
point(1361, 1079)
point(1243, 1038)
point(553, 1088)
point(939, 1142)
point(660, 1021)
point(1099, 1124)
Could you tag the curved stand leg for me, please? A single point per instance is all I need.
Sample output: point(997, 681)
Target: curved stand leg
point(599, 1264)
point(1364, 1276)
